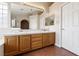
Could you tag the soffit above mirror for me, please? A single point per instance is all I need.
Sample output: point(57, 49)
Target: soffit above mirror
point(19, 8)
point(29, 8)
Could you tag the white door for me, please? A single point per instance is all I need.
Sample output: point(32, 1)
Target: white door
point(70, 27)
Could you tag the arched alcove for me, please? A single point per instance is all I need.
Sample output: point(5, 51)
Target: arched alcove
point(24, 24)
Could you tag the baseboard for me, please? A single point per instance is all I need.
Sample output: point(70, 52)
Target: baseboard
point(58, 45)
point(71, 51)
point(76, 53)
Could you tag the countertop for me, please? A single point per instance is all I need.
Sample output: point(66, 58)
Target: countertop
point(23, 32)
point(13, 32)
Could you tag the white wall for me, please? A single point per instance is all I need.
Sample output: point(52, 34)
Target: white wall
point(1, 50)
point(1, 45)
point(54, 9)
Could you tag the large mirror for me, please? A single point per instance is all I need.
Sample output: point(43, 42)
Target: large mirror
point(21, 11)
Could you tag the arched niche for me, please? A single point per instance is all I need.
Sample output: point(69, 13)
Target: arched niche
point(24, 24)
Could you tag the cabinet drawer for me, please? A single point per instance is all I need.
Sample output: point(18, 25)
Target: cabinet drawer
point(36, 35)
point(36, 39)
point(36, 45)
point(24, 36)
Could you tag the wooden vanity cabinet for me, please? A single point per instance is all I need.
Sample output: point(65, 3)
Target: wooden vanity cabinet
point(11, 45)
point(48, 39)
point(36, 41)
point(24, 43)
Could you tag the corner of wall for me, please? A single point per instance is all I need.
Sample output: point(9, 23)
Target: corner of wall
point(58, 45)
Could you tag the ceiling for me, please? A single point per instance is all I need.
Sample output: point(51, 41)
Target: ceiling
point(29, 7)
point(42, 5)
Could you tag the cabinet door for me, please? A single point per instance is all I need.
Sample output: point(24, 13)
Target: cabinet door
point(45, 39)
point(11, 45)
point(48, 39)
point(36, 41)
point(51, 38)
point(25, 43)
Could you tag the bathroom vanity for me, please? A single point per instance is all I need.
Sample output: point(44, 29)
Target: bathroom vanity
point(25, 42)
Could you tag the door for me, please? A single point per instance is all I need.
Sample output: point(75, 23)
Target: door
point(11, 45)
point(25, 43)
point(70, 27)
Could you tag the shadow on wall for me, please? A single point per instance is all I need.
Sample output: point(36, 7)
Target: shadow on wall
point(24, 24)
